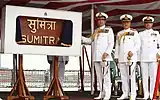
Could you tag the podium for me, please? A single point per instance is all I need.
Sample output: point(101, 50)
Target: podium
point(19, 90)
point(55, 89)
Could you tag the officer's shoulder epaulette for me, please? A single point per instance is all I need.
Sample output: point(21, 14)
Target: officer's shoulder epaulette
point(106, 29)
point(140, 32)
point(156, 31)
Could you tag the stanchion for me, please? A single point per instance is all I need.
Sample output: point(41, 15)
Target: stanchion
point(85, 50)
point(81, 74)
point(20, 90)
point(55, 90)
point(156, 89)
point(81, 60)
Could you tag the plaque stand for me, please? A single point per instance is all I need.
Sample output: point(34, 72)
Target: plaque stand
point(20, 90)
point(55, 89)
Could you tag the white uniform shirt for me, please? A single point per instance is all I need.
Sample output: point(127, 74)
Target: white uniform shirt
point(102, 44)
point(130, 42)
point(150, 40)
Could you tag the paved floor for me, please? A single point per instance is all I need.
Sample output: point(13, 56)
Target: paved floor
point(72, 96)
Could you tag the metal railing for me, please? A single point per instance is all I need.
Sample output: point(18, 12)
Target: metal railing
point(41, 79)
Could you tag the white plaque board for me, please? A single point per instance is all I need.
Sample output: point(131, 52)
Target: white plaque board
point(11, 15)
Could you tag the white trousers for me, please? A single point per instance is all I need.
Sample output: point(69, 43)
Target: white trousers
point(124, 70)
point(149, 69)
point(107, 79)
point(61, 71)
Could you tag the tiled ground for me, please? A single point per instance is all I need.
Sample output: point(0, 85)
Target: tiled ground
point(72, 96)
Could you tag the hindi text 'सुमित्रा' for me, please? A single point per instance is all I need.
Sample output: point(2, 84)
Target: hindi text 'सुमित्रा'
point(34, 25)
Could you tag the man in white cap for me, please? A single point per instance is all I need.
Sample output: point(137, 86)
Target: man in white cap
point(103, 42)
point(127, 45)
point(150, 41)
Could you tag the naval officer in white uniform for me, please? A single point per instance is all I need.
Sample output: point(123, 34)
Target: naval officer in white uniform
point(103, 42)
point(127, 45)
point(62, 61)
point(150, 42)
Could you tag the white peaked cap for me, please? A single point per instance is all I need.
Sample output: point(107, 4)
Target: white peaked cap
point(126, 17)
point(148, 19)
point(101, 14)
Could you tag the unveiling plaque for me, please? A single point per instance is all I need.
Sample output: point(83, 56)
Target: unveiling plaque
point(43, 31)
point(27, 30)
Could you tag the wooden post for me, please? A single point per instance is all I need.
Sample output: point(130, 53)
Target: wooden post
point(20, 90)
point(55, 89)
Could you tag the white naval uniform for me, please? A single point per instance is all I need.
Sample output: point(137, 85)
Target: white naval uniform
point(102, 44)
point(61, 66)
point(149, 41)
point(127, 43)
